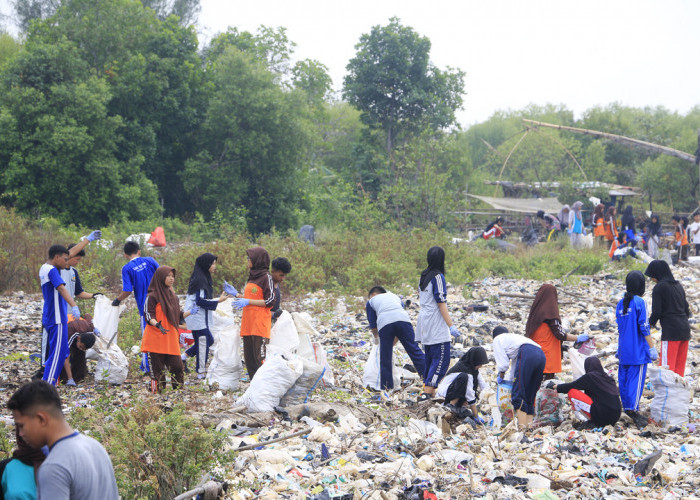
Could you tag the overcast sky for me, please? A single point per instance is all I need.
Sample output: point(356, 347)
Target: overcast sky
point(514, 52)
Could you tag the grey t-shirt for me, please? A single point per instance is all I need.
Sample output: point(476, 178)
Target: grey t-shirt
point(77, 467)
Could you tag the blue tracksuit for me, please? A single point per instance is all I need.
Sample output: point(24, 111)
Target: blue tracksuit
point(633, 351)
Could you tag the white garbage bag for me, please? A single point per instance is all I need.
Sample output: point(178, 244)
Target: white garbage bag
point(105, 318)
point(112, 365)
point(225, 367)
point(301, 390)
point(322, 359)
point(371, 374)
point(306, 333)
point(284, 338)
point(671, 397)
point(272, 380)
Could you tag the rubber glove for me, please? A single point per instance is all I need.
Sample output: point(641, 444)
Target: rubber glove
point(96, 294)
point(95, 235)
point(479, 420)
point(115, 302)
point(75, 311)
point(499, 380)
point(230, 289)
point(161, 328)
point(240, 303)
point(654, 354)
point(551, 385)
point(70, 381)
point(454, 332)
point(96, 331)
point(194, 310)
point(583, 337)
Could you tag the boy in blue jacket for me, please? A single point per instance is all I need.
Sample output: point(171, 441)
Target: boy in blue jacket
point(635, 345)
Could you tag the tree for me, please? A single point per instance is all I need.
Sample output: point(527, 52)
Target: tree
point(186, 10)
point(393, 83)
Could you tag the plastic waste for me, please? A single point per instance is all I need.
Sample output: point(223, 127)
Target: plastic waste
point(272, 380)
point(671, 397)
point(225, 367)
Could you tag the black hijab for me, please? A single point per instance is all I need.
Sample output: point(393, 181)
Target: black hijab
point(635, 284)
point(201, 277)
point(436, 265)
point(628, 218)
point(659, 270)
point(476, 356)
point(654, 227)
point(594, 369)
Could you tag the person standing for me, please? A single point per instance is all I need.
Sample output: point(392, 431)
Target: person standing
point(635, 345)
point(654, 236)
point(72, 278)
point(628, 228)
point(611, 234)
point(434, 325)
point(681, 236)
point(257, 302)
point(200, 292)
point(694, 233)
point(599, 224)
point(77, 466)
point(564, 217)
point(670, 307)
point(576, 230)
point(389, 323)
point(544, 328)
point(136, 278)
point(279, 269)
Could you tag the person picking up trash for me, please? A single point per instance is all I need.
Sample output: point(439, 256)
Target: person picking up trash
point(635, 346)
point(257, 302)
point(544, 327)
point(161, 338)
point(200, 293)
point(594, 395)
point(434, 325)
point(389, 323)
point(670, 307)
point(461, 386)
point(81, 337)
point(527, 361)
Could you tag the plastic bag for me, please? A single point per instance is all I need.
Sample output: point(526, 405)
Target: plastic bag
point(112, 365)
point(671, 397)
point(577, 361)
point(225, 367)
point(284, 338)
point(505, 406)
point(106, 319)
point(301, 390)
point(272, 380)
point(371, 373)
point(157, 238)
point(548, 408)
point(322, 359)
point(305, 331)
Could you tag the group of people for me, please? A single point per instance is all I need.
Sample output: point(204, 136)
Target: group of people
point(525, 361)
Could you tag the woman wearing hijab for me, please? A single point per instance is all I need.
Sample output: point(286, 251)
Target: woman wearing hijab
point(611, 226)
point(161, 337)
point(463, 382)
point(576, 225)
point(434, 325)
point(564, 217)
point(635, 345)
point(627, 224)
point(18, 473)
point(257, 302)
point(653, 236)
point(544, 327)
point(599, 224)
point(200, 293)
point(670, 307)
point(594, 395)
point(681, 235)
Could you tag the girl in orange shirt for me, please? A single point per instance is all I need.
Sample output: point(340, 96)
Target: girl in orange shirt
point(610, 226)
point(681, 233)
point(599, 224)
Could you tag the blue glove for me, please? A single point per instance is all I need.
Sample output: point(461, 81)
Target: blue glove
point(583, 337)
point(75, 312)
point(95, 235)
point(654, 354)
point(96, 331)
point(499, 380)
point(479, 420)
point(240, 303)
point(194, 310)
point(453, 331)
point(70, 381)
point(230, 289)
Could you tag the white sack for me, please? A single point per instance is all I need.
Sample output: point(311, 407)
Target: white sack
point(272, 380)
point(284, 338)
point(105, 317)
point(112, 365)
point(305, 331)
point(671, 397)
point(371, 374)
point(301, 390)
point(225, 367)
point(322, 359)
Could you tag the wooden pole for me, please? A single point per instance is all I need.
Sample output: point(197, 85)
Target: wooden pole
point(271, 441)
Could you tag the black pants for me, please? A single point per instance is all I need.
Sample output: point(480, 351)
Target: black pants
point(158, 363)
point(254, 351)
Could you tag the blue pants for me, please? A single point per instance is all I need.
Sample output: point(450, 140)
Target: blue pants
point(404, 332)
point(57, 337)
point(145, 365)
point(437, 361)
point(203, 340)
point(631, 380)
point(529, 371)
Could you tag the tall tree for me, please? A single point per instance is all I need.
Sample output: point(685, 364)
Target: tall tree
point(392, 81)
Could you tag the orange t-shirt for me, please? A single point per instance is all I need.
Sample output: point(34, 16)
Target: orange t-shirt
point(256, 320)
point(610, 226)
point(551, 347)
point(154, 341)
point(682, 236)
point(599, 229)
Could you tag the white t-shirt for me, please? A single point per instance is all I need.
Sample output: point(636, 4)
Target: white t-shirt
point(694, 232)
point(505, 349)
point(469, 394)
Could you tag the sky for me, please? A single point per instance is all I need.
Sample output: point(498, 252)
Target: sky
point(514, 52)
